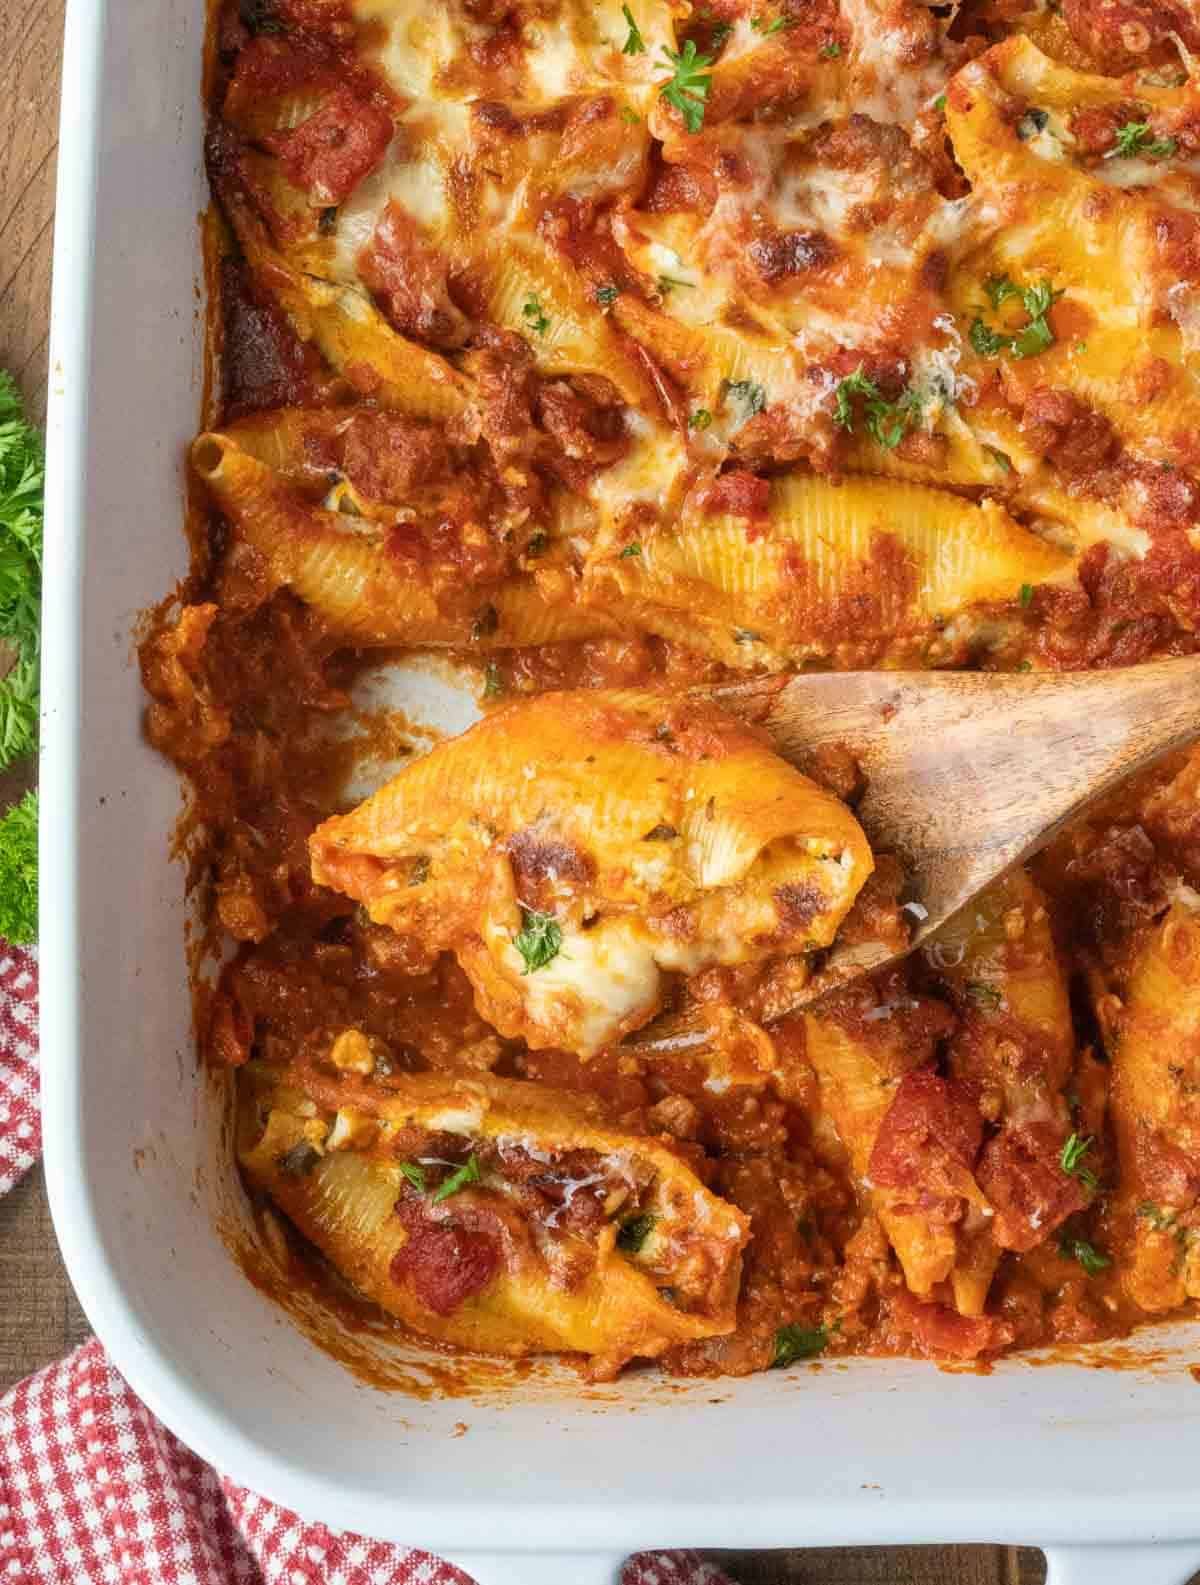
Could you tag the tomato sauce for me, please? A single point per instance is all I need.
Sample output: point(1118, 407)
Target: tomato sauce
point(247, 687)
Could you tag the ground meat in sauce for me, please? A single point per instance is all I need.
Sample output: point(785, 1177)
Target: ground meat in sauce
point(1021, 1172)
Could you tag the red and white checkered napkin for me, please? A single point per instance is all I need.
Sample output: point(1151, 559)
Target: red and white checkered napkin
point(95, 1491)
point(20, 1119)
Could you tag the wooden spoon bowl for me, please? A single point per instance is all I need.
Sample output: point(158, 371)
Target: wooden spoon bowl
point(970, 773)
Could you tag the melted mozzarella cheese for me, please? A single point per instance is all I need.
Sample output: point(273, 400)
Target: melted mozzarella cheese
point(600, 978)
point(887, 85)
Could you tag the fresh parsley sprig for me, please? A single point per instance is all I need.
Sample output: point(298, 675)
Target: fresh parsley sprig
point(22, 477)
point(19, 872)
point(688, 87)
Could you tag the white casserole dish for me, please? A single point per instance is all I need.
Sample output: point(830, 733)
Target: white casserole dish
point(1096, 1465)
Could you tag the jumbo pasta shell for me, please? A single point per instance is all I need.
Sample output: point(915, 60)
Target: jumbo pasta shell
point(550, 1281)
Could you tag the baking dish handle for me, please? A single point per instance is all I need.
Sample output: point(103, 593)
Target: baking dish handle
point(1173, 1564)
point(540, 1568)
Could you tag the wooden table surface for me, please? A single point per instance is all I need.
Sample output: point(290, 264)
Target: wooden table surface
point(40, 1317)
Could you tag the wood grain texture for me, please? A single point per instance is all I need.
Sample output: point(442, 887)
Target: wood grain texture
point(970, 773)
point(888, 1565)
point(30, 48)
point(39, 1315)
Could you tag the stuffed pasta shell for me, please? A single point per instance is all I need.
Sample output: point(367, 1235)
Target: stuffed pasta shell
point(1013, 1050)
point(373, 576)
point(1156, 1114)
point(573, 849)
point(760, 573)
point(911, 1136)
point(497, 1215)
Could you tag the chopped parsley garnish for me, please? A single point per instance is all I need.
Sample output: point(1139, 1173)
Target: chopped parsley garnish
point(1031, 123)
point(537, 543)
point(635, 44)
point(1001, 458)
point(467, 1173)
point(1029, 339)
point(986, 341)
point(985, 997)
point(999, 288)
point(493, 682)
point(688, 88)
point(666, 282)
point(798, 1342)
point(485, 624)
point(1093, 1260)
point(761, 25)
point(1072, 1162)
point(630, 116)
point(700, 419)
point(751, 396)
point(630, 550)
point(1161, 1221)
point(831, 51)
point(415, 1173)
point(419, 873)
point(1026, 595)
point(540, 939)
point(535, 317)
point(257, 16)
point(887, 422)
point(940, 102)
point(299, 1161)
point(719, 34)
point(1135, 138)
point(607, 295)
point(635, 1232)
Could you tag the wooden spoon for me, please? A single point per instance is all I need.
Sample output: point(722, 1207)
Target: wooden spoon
point(968, 774)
